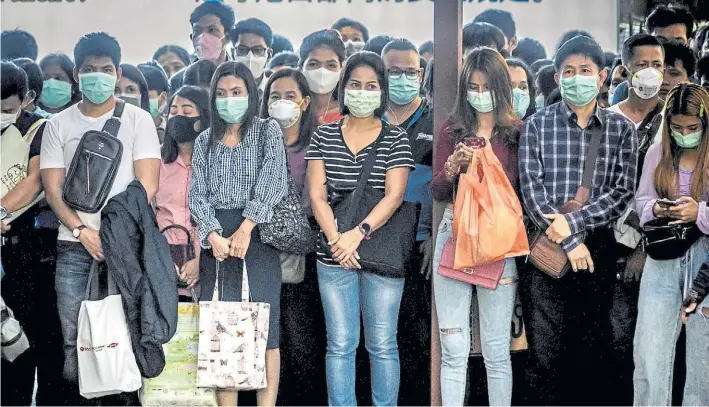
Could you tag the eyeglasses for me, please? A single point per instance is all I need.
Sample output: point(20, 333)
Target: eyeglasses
point(243, 50)
point(395, 73)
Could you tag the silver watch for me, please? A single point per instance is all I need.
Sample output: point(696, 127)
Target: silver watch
point(3, 213)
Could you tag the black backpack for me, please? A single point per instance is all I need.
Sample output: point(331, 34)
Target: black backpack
point(95, 165)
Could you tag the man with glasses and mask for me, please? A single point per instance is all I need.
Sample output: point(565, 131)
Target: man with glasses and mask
point(567, 318)
point(252, 39)
point(408, 110)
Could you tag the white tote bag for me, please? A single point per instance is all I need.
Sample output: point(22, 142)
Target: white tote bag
point(232, 341)
point(106, 361)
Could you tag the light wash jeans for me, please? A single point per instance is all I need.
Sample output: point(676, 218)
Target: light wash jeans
point(344, 295)
point(659, 325)
point(453, 304)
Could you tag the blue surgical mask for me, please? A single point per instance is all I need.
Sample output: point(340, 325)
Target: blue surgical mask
point(403, 90)
point(482, 102)
point(97, 86)
point(521, 102)
point(154, 108)
point(579, 90)
point(55, 93)
point(539, 101)
point(232, 109)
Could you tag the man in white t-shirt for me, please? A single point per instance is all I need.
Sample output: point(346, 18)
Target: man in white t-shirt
point(97, 58)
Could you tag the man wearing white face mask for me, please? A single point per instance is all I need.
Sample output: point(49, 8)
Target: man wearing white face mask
point(252, 39)
point(643, 57)
point(354, 34)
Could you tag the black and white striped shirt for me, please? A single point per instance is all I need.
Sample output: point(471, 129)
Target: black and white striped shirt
point(342, 167)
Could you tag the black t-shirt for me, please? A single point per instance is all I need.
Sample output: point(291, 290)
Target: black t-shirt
point(24, 123)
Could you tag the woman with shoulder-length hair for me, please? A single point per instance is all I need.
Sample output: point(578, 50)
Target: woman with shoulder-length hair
point(524, 91)
point(238, 175)
point(336, 155)
point(483, 109)
point(674, 190)
point(133, 88)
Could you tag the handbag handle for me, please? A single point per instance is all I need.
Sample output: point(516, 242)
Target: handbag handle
point(94, 282)
point(366, 170)
point(179, 227)
point(245, 291)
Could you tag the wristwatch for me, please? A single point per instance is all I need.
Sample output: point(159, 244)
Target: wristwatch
point(3, 213)
point(77, 232)
point(366, 230)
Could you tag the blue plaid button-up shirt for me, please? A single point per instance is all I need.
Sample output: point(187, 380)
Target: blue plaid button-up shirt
point(552, 156)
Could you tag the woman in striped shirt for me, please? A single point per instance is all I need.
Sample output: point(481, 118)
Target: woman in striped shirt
point(336, 153)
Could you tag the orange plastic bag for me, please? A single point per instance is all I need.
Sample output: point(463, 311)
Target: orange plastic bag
point(487, 218)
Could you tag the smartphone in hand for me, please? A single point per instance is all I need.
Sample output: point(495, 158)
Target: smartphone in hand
point(667, 204)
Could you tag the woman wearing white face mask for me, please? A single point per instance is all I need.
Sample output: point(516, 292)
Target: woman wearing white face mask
point(337, 153)
point(132, 88)
point(321, 57)
point(354, 34)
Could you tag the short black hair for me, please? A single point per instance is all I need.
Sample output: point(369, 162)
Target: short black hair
point(377, 44)
point(16, 44)
point(14, 81)
point(215, 8)
point(35, 81)
point(483, 35)
point(635, 41)
point(610, 58)
point(499, 18)
point(545, 80)
point(374, 61)
point(97, 45)
point(177, 50)
point(703, 67)
point(199, 74)
point(348, 22)
point(133, 73)
point(701, 35)
point(580, 45)
point(400, 44)
point(155, 76)
point(252, 26)
point(666, 15)
point(426, 47)
point(572, 34)
point(280, 44)
point(677, 52)
point(536, 66)
point(529, 50)
point(553, 98)
point(324, 38)
point(285, 58)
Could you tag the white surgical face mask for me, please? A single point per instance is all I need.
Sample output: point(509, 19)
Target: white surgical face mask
point(646, 82)
point(285, 112)
point(321, 80)
point(6, 119)
point(256, 64)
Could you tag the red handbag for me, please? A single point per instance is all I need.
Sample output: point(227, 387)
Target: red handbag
point(486, 276)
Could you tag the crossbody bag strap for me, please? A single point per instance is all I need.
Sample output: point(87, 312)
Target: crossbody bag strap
point(114, 123)
point(584, 192)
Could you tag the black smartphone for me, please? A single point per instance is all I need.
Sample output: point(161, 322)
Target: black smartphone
point(668, 204)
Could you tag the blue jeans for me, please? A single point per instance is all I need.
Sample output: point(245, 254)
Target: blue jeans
point(659, 327)
point(73, 267)
point(453, 304)
point(344, 295)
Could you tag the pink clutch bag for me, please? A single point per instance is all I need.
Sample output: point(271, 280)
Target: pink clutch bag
point(486, 276)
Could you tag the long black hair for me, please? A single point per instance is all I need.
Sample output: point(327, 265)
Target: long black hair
point(67, 65)
point(518, 63)
point(464, 118)
point(200, 98)
point(218, 125)
point(307, 119)
point(133, 73)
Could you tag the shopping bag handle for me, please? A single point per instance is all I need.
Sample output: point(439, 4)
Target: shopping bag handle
point(245, 291)
point(94, 282)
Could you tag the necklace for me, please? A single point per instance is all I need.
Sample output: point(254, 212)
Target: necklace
point(327, 109)
point(406, 113)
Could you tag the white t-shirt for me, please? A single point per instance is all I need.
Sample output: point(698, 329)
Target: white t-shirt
point(64, 131)
point(616, 108)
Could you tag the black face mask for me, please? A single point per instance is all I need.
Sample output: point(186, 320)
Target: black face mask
point(183, 129)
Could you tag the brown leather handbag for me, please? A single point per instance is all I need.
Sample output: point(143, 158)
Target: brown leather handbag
point(546, 255)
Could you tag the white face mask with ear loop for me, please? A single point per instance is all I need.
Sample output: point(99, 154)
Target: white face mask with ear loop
point(6, 119)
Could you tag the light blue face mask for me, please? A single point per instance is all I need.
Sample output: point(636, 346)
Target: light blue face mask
point(521, 102)
point(154, 108)
point(55, 93)
point(482, 102)
point(232, 109)
point(403, 90)
point(539, 101)
point(97, 86)
point(579, 90)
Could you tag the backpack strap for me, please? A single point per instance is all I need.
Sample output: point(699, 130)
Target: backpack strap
point(114, 123)
point(32, 131)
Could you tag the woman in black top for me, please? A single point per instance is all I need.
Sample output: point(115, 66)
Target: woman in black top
point(336, 154)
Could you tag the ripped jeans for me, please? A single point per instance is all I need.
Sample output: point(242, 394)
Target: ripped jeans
point(659, 325)
point(453, 304)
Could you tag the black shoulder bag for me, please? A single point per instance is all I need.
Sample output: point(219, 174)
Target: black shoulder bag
point(95, 165)
point(389, 248)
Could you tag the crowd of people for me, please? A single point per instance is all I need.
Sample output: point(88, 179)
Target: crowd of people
point(219, 138)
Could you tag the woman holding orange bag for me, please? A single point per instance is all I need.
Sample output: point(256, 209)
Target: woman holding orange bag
point(483, 117)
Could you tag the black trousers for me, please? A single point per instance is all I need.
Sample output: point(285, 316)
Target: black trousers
point(28, 289)
point(569, 331)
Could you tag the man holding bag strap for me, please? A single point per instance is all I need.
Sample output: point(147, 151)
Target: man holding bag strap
point(97, 57)
point(567, 318)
